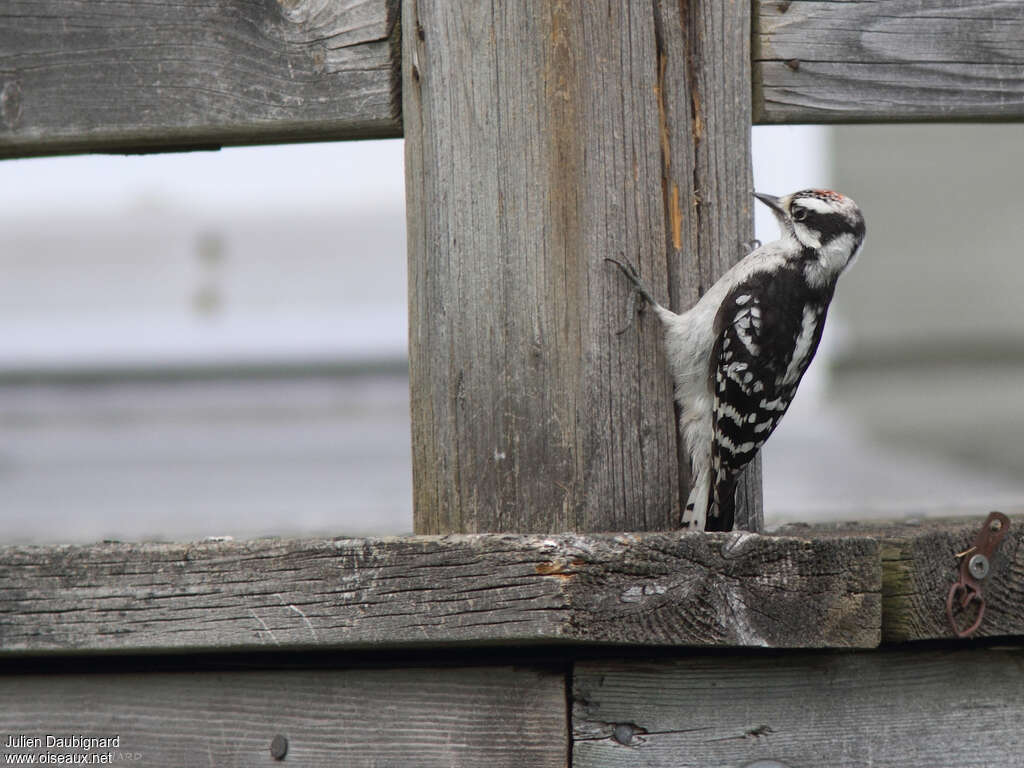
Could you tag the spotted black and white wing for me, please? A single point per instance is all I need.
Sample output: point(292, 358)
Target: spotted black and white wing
point(766, 333)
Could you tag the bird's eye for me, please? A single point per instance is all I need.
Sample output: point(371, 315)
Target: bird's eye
point(798, 214)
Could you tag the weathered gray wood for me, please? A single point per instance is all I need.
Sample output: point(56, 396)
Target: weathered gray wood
point(704, 105)
point(540, 140)
point(115, 76)
point(912, 709)
point(834, 61)
point(919, 566)
point(498, 716)
point(647, 589)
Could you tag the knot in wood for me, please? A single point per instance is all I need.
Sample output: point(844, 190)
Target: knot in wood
point(624, 733)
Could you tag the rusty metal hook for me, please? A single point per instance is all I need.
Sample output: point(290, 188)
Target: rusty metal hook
point(973, 570)
point(969, 596)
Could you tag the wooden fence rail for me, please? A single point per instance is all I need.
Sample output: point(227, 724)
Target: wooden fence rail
point(831, 61)
point(815, 587)
point(500, 716)
point(652, 589)
point(109, 76)
point(886, 708)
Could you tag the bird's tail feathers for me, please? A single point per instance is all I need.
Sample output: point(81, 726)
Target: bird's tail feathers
point(695, 514)
point(722, 498)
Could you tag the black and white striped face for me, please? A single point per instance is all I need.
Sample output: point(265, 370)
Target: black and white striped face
point(817, 217)
point(822, 224)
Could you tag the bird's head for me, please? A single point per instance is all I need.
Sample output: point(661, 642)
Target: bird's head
point(822, 221)
point(816, 217)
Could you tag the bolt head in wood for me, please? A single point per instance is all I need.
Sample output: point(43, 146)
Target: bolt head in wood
point(978, 565)
point(279, 747)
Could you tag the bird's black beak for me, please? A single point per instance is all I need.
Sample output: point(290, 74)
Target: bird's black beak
point(772, 202)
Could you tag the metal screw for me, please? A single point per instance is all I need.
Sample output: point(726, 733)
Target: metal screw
point(279, 747)
point(978, 566)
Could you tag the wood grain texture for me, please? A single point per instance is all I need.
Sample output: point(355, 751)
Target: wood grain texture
point(646, 589)
point(117, 76)
point(498, 716)
point(912, 709)
point(838, 61)
point(919, 566)
point(542, 137)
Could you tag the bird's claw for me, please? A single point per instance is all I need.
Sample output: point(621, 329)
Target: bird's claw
point(750, 246)
point(631, 310)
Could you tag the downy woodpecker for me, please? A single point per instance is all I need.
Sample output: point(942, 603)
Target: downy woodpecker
point(738, 355)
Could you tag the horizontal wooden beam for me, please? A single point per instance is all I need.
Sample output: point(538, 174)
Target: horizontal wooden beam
point(920, 564)
point(658, 589)
point(113, 76)
point(913, 708)
point(840, 62)
point(117, 76)
point(498, 716)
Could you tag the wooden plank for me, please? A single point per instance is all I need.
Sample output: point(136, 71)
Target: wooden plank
point(829, 61)
point(122, 76)
point(913, 709)
point(540, 140)
point(919, 566)
point(499, 716)
point(649, 589)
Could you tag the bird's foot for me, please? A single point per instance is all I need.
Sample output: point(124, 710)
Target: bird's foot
point(638, 289)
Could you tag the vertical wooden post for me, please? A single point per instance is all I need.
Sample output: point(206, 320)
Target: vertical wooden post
point(542, 136)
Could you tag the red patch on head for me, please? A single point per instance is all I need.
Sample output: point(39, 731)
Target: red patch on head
point(828, 193)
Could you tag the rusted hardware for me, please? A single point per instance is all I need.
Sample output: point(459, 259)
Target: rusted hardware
point(975, 564)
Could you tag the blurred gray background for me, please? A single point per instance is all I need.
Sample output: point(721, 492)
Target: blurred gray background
point(917, 397)
point(214, 343)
